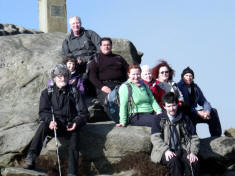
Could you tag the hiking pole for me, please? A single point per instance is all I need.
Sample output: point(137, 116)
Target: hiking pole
point(56, 143)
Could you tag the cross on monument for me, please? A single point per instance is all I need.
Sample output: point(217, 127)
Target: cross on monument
point(52, 15)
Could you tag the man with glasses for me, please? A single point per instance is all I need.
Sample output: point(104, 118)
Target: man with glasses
point(193, 97)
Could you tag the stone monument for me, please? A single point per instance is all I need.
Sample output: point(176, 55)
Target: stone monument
point(52, 15)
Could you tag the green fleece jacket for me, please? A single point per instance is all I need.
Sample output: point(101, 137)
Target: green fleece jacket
point(144, 101)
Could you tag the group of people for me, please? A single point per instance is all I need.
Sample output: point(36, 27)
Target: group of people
point(169, 108)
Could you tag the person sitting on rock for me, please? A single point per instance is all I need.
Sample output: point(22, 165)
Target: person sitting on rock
point(163, 74)
point(174, 139)
point(193, 97)
point(143, 108)
point(107, 70)
point(81, 43)
point(147, 77)
point(75, 78)
point(60, 102)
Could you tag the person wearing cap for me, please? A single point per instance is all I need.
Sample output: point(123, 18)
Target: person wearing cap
point(146, 75)
point(193, 97)
point(61, 103)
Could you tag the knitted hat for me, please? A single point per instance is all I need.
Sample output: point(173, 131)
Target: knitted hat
point(187, 70)
point(59, 69)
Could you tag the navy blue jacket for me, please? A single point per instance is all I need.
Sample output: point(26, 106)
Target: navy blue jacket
point(197, 99)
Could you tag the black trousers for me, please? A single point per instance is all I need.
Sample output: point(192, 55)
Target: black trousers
point(73, 150)
point(180, 166)
point(102, 95)
point(144, 119)
point(213, 123)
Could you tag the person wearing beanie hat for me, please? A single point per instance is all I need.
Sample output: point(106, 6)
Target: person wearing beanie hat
point(187, 70)
point(70, 113)
point(193, 97)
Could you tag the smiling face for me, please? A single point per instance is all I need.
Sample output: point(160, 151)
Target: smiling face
point(171, 108)
point(60, 81)
point(75, 25)
point(146, 75)
point(188, 78)
point(163, 75)
point(70, 65)
point(134, 76)
point(106, 47)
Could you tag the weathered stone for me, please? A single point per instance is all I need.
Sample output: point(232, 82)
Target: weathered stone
point(10, 29)
point(25, 60)
point(103, 144)
point(230, 132)
point(21, 172)
point(126, 49)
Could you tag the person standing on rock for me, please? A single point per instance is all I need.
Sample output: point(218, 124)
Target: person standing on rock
point(59, 101)
point(193, 96)
point(107, 71)
point(174, 139)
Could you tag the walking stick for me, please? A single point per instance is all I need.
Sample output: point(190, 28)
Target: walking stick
point(57, 147)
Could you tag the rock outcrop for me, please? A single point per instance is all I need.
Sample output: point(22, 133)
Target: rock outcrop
point(24, 63)
point(11, 29)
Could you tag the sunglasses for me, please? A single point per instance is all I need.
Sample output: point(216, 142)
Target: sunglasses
point(164, 72)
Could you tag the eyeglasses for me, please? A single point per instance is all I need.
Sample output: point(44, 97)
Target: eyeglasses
point(164, 72)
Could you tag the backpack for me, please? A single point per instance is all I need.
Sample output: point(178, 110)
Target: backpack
point(112, 102)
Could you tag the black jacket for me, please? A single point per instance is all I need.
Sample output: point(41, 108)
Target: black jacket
point(67, 106)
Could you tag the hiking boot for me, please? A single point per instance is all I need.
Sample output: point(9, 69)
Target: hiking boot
point(30, 161)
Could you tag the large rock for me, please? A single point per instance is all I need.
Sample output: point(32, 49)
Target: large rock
point(103, 144)
point(219, 153)
point(25, 60)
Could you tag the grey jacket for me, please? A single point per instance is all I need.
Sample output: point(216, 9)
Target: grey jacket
point(160, 138)
point(85, 45)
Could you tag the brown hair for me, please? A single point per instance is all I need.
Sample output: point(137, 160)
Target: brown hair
point(133, 66)
point(163, 63)
point(106, 39)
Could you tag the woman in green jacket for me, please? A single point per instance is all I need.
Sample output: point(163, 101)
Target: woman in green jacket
point(143, 108)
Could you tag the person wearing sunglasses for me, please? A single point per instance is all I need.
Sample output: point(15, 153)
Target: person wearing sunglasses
point(163, 74)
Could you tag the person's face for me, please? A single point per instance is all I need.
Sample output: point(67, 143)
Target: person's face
point(134, 75)
point(60, 81)
point(171, 108)
point(106, 47)
point(146, 75)
point(71, 66)
point(75, 25)
point(163, 74)
point(188, 78)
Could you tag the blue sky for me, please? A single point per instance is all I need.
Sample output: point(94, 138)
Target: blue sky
point(199, 34)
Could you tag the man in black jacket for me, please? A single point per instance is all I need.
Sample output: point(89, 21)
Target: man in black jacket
point(107, 70)
point(70, 114)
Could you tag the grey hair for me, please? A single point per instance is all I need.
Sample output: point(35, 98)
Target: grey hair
point(78, 18)
point(59, 69)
